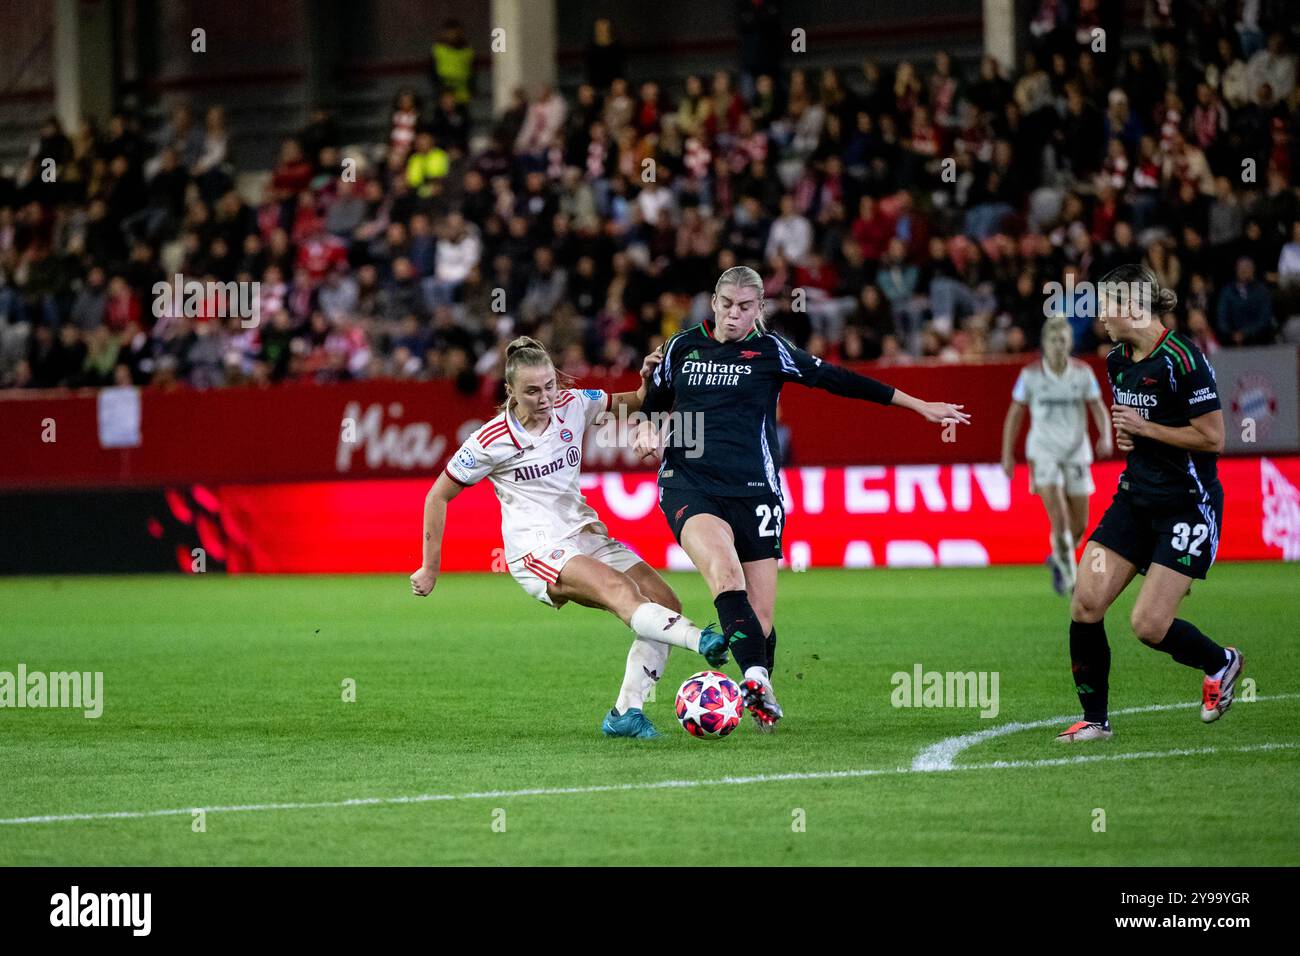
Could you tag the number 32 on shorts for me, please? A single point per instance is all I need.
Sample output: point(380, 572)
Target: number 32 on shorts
point(767, 515)
point(1188, 538)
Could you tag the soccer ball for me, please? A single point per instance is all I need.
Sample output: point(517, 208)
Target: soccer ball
point(709, 705)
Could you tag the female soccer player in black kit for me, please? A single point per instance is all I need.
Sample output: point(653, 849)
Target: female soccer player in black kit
point(1165, 518)
point(721, 493)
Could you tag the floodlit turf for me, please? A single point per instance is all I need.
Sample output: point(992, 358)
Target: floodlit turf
point(227, 691)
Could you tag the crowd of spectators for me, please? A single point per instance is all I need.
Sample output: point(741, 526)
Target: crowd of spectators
point(897, 212)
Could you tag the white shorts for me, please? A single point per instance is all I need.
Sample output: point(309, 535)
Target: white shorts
point(1076, 477)
point(542, 566)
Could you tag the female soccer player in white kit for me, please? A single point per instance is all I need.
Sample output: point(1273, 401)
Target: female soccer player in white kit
point(1056, 390)
point(556, 546)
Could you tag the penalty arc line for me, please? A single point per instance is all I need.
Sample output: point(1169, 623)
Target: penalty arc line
point(657, 785)
point(942, 756)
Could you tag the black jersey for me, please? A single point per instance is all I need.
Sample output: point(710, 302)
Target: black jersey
point(1171, 386)
point(723, 398)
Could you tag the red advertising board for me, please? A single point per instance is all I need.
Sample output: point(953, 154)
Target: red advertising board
point(300, 432)
point(862, 516)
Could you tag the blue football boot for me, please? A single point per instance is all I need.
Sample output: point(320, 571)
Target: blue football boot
point(713, 645)
point(631, 723)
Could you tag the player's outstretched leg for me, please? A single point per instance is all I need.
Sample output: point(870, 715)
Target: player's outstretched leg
point(594, 584)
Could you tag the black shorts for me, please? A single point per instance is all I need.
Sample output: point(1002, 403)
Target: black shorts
point(1183, 538)
point(757, 521)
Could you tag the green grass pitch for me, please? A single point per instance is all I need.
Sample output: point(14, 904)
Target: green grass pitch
point(225, 692)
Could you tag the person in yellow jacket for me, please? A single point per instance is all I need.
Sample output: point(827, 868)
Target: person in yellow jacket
point(426, 164)
point(453, 62)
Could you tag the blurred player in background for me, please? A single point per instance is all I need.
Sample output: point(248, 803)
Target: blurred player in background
point(1056, 390)
point(556, 546)
point(1165, 517)
point(722, 496)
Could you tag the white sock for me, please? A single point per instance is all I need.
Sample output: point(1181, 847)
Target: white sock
point(759, 674)
point(645, 665)
point(1063, 553)
point(654, 622)
point(1063, 548)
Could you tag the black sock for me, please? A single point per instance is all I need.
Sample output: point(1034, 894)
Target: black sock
point(1090, 662)
point(1185, 643)
point(740, 624)
point(771, 652)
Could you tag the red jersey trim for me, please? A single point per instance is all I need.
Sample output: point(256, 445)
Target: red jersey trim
point(455, 479)
point(492, 433)
point(542, 571)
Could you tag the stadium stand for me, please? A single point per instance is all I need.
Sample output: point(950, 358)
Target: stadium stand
point(901, 212)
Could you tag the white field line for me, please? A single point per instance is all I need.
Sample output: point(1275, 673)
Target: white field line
point(941, 756)
point(932, 767)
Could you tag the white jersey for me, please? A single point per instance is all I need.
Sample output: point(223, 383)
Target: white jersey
point(535, 476)
point(1058, 424)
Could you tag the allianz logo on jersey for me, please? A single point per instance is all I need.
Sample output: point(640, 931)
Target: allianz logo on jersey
point(570, 459)
point(386, 444)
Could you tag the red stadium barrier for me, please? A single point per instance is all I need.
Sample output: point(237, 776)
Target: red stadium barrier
point(298, 433)
point(295, 432)
point(948, 515)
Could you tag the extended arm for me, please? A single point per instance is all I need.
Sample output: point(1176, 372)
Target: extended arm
point(840, 381)
point(941, 413)
point(435, 520)
point(632, 401)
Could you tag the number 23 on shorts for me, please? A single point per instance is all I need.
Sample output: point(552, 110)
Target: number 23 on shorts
point(767, 515)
